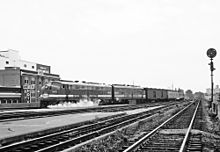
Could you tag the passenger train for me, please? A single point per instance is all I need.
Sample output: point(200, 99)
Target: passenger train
point(73, 91)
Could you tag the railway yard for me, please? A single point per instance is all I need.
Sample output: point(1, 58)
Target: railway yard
point(109, 76)
point(168, 126)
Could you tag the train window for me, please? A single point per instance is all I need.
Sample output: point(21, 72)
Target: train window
point(25, 65)
point(7, 62)
point(32, 67)
point(63, 86)
point(55, 84)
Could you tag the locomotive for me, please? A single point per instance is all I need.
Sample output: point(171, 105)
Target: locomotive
point(56, 92)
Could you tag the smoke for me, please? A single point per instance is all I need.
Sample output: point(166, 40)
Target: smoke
point(81, 103)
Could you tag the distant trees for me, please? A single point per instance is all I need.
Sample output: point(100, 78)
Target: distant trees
point(199, 95)
point(189, 92)
point(189, 95)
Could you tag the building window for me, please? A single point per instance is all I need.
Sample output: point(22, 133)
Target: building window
point(26, 81)
point(9, 101)
point(32, 94)
point(4, 101)
point(32, 67)
point(7, 62)
point(25, 65)
point(154, 94)
point(32, 80)
point(39, 81)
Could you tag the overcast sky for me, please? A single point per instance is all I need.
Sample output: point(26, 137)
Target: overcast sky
point(152, 43)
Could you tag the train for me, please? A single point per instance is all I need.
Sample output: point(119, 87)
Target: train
point(61, 91)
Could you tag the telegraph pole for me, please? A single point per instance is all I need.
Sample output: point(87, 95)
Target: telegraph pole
point(211, 53)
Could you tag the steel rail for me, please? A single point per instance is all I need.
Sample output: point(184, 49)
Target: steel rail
point(13, 116)
point(113, 122)
point(77, 130)
point(90, 135)
point(188, 130)
point(135, 145)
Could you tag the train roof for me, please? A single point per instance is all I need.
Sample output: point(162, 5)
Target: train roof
point(162, 89)
point(154, 88)
point(126, 86)
point(83, 83)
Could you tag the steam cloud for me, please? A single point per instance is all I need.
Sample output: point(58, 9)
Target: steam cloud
point(81, 103)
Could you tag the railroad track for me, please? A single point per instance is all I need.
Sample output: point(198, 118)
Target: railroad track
point(173, 135)
point(13, 116)
point(194, 142)
point(67, 138)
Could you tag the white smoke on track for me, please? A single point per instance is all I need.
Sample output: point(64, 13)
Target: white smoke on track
point(81, 103)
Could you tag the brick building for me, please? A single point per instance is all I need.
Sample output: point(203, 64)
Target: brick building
point(25, 77)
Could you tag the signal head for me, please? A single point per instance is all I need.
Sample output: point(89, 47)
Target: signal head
point(211, 53)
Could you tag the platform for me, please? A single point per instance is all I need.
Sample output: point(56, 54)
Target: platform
point(15, 128)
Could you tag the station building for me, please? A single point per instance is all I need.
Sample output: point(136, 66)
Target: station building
point(21, 81)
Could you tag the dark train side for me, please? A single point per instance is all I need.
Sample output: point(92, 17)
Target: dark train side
point(56, 92)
